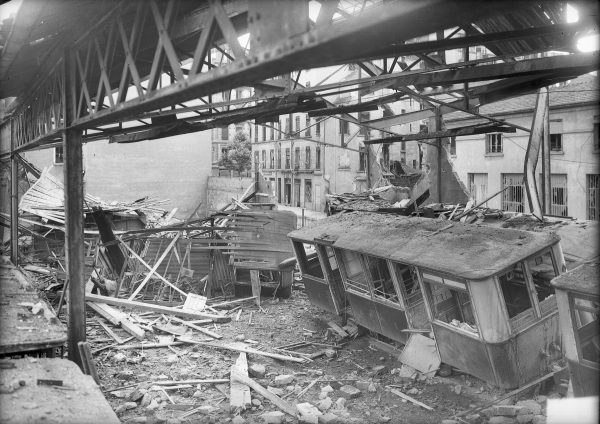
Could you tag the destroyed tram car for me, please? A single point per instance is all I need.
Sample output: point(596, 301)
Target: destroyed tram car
point(482, 294)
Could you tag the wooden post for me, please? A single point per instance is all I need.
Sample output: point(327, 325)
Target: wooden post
point(546, 180)
point(74, 246)
point(14, 209)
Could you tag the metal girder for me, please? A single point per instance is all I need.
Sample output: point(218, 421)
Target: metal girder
point(454, 132)
point(561, 34)
point(321, 45)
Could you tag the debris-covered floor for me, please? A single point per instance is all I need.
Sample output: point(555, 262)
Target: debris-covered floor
point(351, 382)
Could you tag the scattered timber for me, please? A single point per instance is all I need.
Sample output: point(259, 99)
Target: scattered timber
point(156, 308)
point(274, 399)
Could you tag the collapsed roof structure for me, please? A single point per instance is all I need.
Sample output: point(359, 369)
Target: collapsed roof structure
point(143, 70)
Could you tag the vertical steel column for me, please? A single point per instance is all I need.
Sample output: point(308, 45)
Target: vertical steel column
point(438, 127)
point(14, 208)
point(546, 173)
point(74, 246)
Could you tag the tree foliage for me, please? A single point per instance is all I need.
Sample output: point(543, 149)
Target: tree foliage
point(238, 154)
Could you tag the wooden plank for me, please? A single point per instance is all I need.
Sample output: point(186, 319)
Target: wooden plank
point(200, 329)
point(239, 398)
point(109, 331)
point(255, 281)
point(408, 398)
point(156, 308)
point(116, 317)
point(274, 399)
point(154, 268)
point(231, 302)
point(197, 381)
point(246, 350)
point(337, 329)
point(87, 359)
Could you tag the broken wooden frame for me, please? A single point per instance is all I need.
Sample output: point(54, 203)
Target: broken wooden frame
point(578, 298)
point(484, 292)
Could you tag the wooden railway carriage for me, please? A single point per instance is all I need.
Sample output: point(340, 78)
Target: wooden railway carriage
point(578, 298)
point(484, 291)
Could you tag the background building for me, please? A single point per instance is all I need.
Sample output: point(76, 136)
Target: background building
point(490, 162)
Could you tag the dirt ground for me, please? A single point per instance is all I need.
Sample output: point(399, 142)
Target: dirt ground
point(281, 322)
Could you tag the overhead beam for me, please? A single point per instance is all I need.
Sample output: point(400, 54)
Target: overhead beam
point(454, 132)
point(561, 35)
point(319, 46)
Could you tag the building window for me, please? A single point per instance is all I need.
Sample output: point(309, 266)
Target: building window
point(297, 158)
point(264, 133)
point(403, 146)
point(318, 128)
point(385, 149)
point(307, 157)
point(271, 159)
point(596, 137)
point(593, 197)
point(318, 157)
point(256, 133)
point(279, 160)
point(256, 160)
point(556, 143)
point(280, 130)
point(452, 146)
point(287, 158)
point(298, 125)
point(287, 127)
point(558, 204)
point(362, 158)
point(493, 143)
point(58, 155)
point(414, 163)
point(224, 133)
point(344, 127)
point(264, 159)
point(215, 154)
point(307, 132)
point(307, 192)
point(513, 198)
point(365, 131)
point(478, 185)
point(273, 131)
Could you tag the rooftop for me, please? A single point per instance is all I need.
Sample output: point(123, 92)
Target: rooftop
point(465, 250)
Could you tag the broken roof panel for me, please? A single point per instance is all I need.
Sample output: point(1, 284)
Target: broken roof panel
point(465, 250)
point(585, 279)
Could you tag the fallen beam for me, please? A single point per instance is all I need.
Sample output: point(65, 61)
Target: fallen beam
point(246, 350)
point(132, 304)
point(117, 318)
point(200, 329)
point(178, 382)
point(239, 398)
point(274, 399)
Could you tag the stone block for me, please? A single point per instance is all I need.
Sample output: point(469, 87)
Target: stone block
point(329, 418)
point(325, 404)
point(529, 407)
point(308, 413)
point(524, 418)
point(538, 419)
point(283, 380)
point(257, 370)
point(275, 417)
point(507, 410)
point(499, 419)
point(349, 392)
